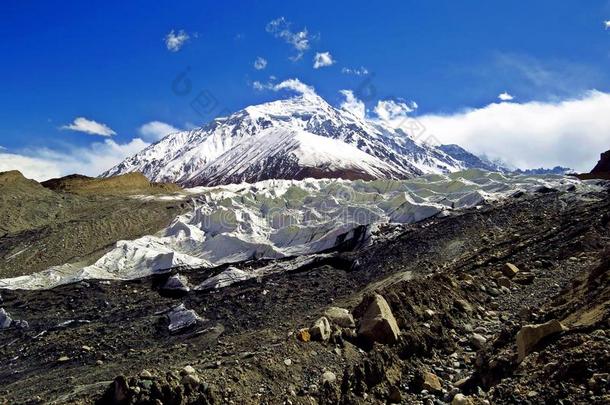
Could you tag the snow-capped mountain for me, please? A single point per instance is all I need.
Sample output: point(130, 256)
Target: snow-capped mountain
point(299, 137)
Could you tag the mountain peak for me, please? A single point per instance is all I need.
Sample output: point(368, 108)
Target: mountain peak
point(273, 139)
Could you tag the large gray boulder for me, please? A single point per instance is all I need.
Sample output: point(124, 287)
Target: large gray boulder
point(378, 324)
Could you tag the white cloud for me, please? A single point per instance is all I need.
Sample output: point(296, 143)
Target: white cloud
point(175, 41)
point(291, 84)
point(30, 167)
point(300, 40)
point(2, 147)
point(323, 59)
point(43, 163)
point(295, 85)
point(260, 63)
point(88, 126)
point(155, 130)
point(568, 133)
point(505, 97)
point(352, 104)
point(607, 24)
point(357, 71)
point(389, 110)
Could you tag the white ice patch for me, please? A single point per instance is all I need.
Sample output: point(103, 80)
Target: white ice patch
point(282, 218)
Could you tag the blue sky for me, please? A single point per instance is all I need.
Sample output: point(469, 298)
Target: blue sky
point(109, 62)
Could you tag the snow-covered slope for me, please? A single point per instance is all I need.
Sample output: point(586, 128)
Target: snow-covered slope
point(280, 218)
point(211, 155)
point(292, 154)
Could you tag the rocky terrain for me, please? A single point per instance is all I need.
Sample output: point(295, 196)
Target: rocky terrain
point(501, 303)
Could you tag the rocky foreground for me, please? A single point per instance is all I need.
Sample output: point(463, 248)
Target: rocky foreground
point(508, 303)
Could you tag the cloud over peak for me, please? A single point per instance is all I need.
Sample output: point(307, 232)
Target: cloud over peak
point(388, 110)
point(156, 130)
point(352, 104)
point(82, 124)
point(297, 86)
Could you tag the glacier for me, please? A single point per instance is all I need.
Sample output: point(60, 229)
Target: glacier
point(276, 219)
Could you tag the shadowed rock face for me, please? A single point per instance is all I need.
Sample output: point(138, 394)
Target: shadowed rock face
point(603, 166)
point(601, 169)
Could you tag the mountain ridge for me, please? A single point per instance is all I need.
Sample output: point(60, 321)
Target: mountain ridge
point(292, 131)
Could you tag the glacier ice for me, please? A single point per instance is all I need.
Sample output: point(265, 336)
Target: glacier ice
point(283, 218)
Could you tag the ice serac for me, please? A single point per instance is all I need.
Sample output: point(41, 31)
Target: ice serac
point(294, 138)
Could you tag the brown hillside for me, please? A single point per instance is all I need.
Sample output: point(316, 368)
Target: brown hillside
point(130, 183)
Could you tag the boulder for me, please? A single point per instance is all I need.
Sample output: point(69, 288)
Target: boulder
point(191, 380)
point(504, 282)
point(340, 317)
point(177, 283)
point(378, 323)
point(530, 335)
point(510, 270)
point(463, 305)
point(181, 318)
point(320, 330)
point(431, 382)
point(461, 399)
point(5, 319)
point(303, 335)
point(186, 370)
point(477, 340)
point(328, 378)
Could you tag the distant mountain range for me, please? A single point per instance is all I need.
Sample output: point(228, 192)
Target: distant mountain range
point(294, 138)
